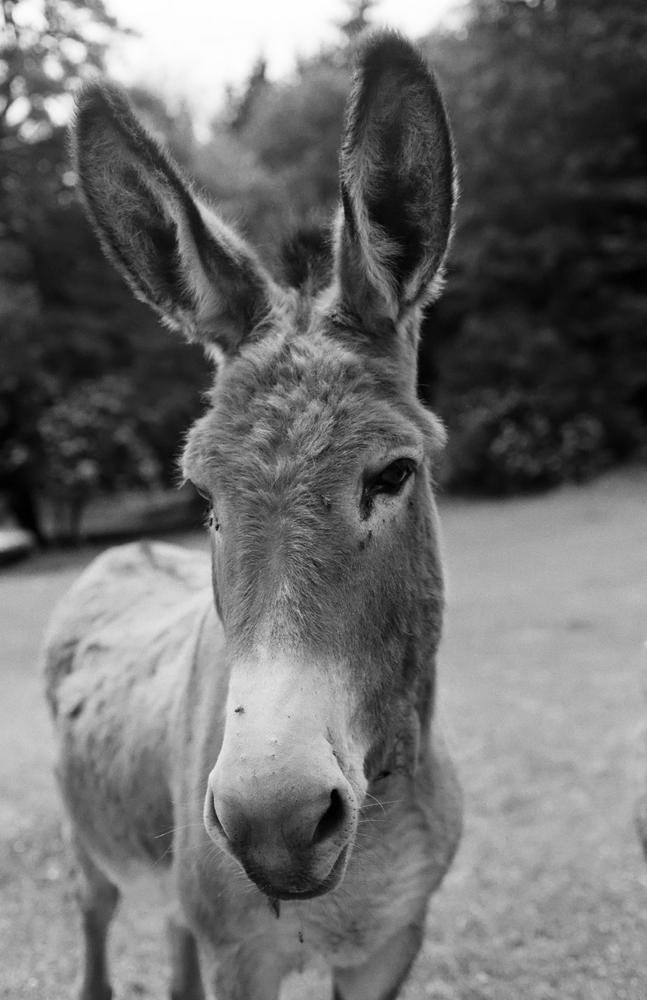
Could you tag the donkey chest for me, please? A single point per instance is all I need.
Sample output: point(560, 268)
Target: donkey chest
point(385, 888)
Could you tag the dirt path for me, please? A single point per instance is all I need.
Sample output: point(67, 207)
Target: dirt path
point(542, 693)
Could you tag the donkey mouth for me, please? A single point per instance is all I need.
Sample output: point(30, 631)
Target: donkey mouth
point(288, 890)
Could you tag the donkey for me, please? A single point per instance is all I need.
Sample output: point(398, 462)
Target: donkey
point(256, 730)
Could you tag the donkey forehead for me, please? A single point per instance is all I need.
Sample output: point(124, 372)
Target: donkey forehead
point(305, 405)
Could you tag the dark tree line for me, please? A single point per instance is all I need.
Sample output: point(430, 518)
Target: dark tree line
point(93, 394)
point(537, 353)
point(543, 357)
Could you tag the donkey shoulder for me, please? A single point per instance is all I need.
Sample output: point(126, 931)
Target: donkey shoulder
point(128, 600)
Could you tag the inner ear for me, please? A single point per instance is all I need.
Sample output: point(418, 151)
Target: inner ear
point(149, 236)
point(175, 253)
point(393, 208)
point(397, 183)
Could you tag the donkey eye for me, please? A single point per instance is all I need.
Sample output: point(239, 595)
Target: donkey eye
point(211, 521)
point(391, 479)
point(389, 482)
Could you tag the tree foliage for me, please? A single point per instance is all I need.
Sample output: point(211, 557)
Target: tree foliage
point(286, 134)
point(542, 347)
point(537, 353)
point(92, 441)
point(67, 322)
point(46, 49)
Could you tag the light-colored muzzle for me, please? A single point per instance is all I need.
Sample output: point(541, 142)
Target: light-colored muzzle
point(283, 796)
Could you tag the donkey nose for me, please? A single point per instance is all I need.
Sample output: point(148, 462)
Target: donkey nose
point(317, 820)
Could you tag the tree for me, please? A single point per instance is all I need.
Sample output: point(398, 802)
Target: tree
point(92, 441)
point(240, 106)
point(286, 133)
point(356, 20)
point(43, 55)
point(67, 320)
point(541, 331)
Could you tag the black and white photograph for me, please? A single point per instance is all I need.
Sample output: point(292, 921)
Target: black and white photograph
point(323, 500)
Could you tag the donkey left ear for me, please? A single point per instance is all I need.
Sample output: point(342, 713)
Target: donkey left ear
point(176, 255)
point(397, 185)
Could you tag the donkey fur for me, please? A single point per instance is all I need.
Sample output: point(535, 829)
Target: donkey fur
point(335, 586)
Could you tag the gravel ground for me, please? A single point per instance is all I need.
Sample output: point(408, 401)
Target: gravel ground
point(542, 695)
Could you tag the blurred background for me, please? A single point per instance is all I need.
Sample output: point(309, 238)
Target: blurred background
point(536, 355)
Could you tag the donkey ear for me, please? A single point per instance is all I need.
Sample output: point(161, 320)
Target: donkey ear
point(397, 184)
point(172, 250)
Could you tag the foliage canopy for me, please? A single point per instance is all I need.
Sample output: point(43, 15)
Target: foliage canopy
point(537, 353)
point(71, 333)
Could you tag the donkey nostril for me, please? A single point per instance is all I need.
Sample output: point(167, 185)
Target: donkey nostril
point(332, 820)
point(211, 818)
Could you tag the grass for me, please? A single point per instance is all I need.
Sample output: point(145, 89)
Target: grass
point(541, 693)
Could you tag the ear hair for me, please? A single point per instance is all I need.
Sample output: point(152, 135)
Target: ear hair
point(172, 249)
point(397, 184)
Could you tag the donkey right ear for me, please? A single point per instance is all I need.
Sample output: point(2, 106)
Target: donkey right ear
point(397, 185)
point(172, 250)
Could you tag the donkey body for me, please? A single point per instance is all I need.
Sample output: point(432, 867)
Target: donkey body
point(256, 730)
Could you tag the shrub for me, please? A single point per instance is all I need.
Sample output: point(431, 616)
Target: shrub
point(516, 442)
point(91, 442)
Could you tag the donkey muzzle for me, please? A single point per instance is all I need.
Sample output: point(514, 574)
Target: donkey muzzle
point(290, 832)
point(283, 796)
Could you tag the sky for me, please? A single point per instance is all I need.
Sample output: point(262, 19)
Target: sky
point(194, 48)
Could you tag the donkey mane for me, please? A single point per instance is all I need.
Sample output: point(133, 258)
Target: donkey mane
point(306, 258)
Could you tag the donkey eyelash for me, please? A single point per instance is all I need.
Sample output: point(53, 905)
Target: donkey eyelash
point(388, 482)
point(203, 493)
point(211, 521)
point(392, 478)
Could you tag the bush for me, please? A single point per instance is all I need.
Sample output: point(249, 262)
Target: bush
point(92, 442)
point(515, 442)
point(76, 351)
point(542, 328)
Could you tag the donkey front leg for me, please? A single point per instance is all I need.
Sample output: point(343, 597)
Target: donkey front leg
point(252, 971)
point(97, 898)
point(382, 977)
point(186, 979)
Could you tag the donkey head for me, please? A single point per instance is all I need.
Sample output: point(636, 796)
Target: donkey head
point(316, 458)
